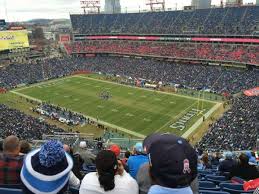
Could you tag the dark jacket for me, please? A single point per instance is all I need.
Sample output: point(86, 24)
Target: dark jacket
point(227, 165)
point(246, 172)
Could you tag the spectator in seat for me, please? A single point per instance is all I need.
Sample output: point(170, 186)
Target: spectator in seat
point(127, 154)
point(48, 170)
point(226, 165)
point(173, 165)
point(206, 162)
point(110, 177)
point(137, 160)
point(143, 178)
point(252, 159)
point(77, 160)
point(244, 170)
point(25, 147)
point(10, 161)
point(115, 149)
point(215, 159)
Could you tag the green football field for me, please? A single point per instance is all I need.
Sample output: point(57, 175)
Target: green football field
point(138, 110)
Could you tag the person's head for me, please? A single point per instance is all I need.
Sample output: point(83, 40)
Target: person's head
point(205, 159)
point(138, 148)
point(25, 147)
point(66, 148)
point(243, 158)
point(106, 165)
point(127, 154)
point(11, 145)
point(49, 165)
point(115, 149)
point(229, 156)
point(83, 145)
point(173, 162)
point(249, 154)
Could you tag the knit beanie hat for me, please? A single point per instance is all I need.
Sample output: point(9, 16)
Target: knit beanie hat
point(46, 170)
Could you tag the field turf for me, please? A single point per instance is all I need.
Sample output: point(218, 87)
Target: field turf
point(139, 110)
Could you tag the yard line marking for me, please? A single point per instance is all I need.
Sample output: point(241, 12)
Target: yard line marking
point(129, 115)
point(147, 120)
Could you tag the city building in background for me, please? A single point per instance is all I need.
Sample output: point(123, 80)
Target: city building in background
point(257, 2)
point(112, 6)
point(201, 4)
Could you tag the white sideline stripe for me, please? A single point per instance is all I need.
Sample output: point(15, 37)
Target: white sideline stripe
point(166, 93)
point(94, 119)
point(25, 96)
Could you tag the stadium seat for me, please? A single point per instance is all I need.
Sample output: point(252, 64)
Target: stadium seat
point(10, 191)
point(89, 168)
point(74, 191)
point(12, 186)
point(212, 192)
point(207, 185)
point(233, 188)
point(216, 179)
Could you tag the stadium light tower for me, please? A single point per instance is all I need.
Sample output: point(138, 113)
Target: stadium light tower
point(90, 6)
point(154, 3)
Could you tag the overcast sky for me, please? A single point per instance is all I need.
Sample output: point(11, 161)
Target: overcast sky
point(21, 10)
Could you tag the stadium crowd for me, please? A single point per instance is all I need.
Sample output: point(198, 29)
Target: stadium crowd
point(179, 50)
point(227, 21)
point(14, 122)
point(237, 129)
point(216, 78)
point(161, 164)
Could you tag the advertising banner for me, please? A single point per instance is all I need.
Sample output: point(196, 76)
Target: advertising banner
point(13, 39)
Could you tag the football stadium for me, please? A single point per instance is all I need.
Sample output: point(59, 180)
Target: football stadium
point(121, 97)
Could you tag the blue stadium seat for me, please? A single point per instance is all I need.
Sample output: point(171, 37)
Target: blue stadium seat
point(88, 168)
point(233, 188)
point(212, 192)
point(12, 186)
point(207, 185)
point(10, 191)
point(216, 179)
point(74, 191)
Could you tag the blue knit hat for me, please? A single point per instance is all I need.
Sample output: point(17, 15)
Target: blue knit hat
point(46, 170)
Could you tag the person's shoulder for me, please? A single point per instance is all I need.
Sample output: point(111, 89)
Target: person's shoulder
point(126, 179)
point(92, 176)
